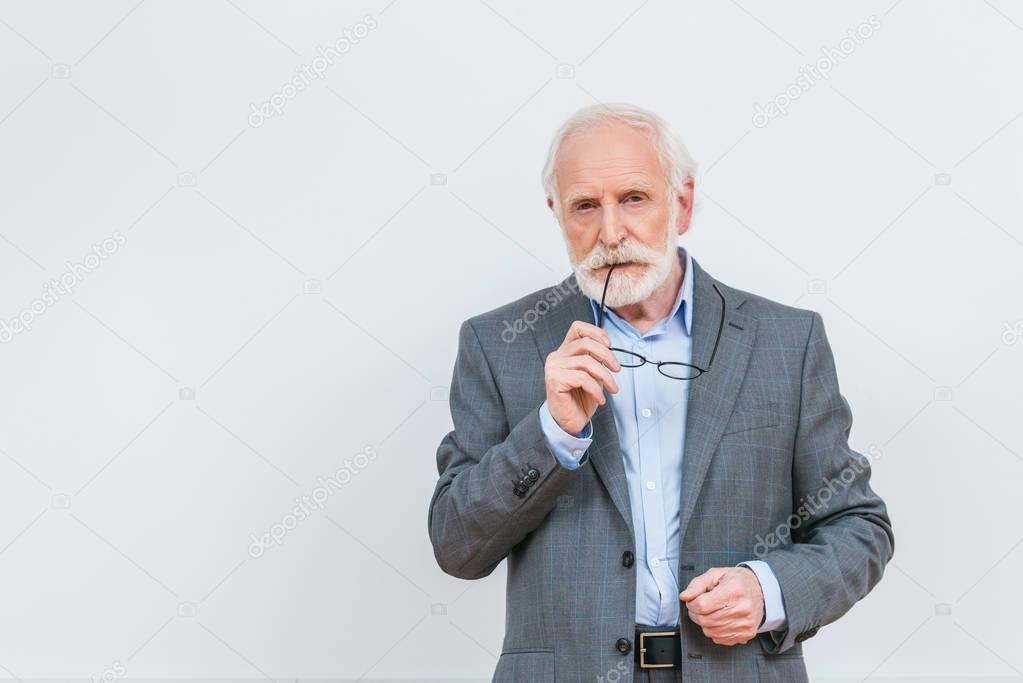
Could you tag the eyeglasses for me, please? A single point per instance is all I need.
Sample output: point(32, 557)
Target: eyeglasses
point(668, 368)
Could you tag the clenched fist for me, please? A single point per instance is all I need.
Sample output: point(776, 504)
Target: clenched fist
point(576, 374)
point(727, 603)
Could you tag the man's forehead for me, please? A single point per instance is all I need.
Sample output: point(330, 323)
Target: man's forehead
point(607, 154)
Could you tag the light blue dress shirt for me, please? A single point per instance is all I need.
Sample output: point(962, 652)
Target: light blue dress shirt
point(650, 415)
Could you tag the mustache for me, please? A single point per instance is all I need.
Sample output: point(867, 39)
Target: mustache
point(600, 257)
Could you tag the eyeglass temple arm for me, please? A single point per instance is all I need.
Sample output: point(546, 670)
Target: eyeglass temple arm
point(721, 326)
point(603, 295)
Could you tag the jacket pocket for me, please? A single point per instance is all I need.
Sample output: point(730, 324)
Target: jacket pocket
point(747, 420)
point(525, 666)
point(781, 669)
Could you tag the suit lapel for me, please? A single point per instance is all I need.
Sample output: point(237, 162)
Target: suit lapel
point(711, 396)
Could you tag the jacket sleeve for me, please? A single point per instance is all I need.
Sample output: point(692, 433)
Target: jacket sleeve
point(497, 481)
point(837, 551)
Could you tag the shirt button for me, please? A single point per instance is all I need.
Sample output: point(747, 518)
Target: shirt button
point(641, 344)
point(577, 453)
point(651, 486)
point(647, 412)
point(655, 562)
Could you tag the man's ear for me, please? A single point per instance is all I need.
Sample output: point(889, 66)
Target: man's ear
point(550, 203)
point(685, 200)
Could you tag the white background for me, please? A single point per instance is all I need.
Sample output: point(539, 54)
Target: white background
point(289, 294)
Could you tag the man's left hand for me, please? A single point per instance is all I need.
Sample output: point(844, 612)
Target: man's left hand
point(727, 603)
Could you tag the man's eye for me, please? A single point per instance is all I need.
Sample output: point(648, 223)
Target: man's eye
point(584, 205)
point(635, 196)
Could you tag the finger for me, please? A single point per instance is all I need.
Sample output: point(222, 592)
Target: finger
point(596, 349)
point(581, 330)
point(736, 615)
point(720, 618)
point(730, 640)
point(728, 635)
point(701, 584)
point(594, 368)
point(561, 379)
point(714, 600)
point(578, 379)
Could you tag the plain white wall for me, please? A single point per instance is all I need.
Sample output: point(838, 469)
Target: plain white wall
point(277, 295)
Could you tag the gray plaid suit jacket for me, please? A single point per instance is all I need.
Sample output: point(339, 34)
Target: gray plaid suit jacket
point(768, 473)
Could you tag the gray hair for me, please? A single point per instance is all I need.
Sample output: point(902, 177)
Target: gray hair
point(672, 152)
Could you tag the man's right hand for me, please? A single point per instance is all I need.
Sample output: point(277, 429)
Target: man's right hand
point(576, 374)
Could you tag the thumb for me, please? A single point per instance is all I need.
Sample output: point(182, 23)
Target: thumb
point(701, 584)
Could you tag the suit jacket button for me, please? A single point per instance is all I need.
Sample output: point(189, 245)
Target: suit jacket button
point(810, 633)
point(623, 645)
point(628, 558)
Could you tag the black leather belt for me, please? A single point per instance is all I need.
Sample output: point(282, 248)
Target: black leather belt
point(658, 648)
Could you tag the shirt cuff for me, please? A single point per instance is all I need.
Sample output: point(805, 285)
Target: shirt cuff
point(568, 449)
point(774, 608)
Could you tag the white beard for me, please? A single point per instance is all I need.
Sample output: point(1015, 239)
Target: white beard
point(626, 288)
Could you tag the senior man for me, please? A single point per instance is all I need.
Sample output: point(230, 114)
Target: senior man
point(662, 458)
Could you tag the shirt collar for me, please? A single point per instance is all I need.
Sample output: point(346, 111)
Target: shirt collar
point(685, 293)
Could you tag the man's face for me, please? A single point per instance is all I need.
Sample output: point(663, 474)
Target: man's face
point(617, 209)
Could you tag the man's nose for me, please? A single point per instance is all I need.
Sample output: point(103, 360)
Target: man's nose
point(612, 231)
